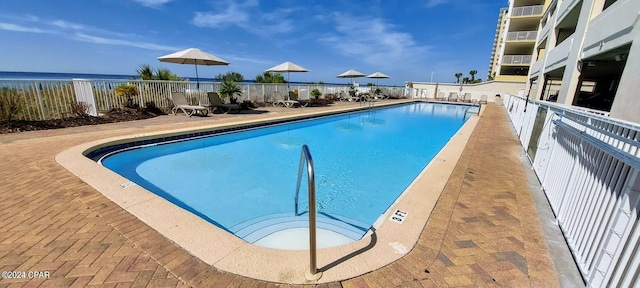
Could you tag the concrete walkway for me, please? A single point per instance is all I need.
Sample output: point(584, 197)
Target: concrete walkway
point(484, 230)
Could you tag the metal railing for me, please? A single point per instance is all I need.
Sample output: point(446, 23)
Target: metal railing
point(589, 168)
point(522, 36)
point(55, 99)
point(527, 10)
point(305, 156)
point(516, 59)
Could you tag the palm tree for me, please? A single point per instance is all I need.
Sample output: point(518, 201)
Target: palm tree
point(145, 72)
point(229, 89)
point(166, 74)
point(458, 75)
point(473, 75)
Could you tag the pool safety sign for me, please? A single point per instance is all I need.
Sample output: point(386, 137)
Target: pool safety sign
point(398, 216)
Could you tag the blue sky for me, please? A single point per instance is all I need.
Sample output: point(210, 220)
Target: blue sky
point(405, 39)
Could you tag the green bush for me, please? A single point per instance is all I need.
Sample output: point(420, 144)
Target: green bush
point(128, 90)
point(316, 93)
point(229, 89)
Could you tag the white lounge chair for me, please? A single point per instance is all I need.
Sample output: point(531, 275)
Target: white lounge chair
point(453, 97)
point(180, 103)
point(294, 97)
point(346, 96)
point(483, 99)
point(215, 102)
point(466, 97)
point(279, 100)
point(441, 96)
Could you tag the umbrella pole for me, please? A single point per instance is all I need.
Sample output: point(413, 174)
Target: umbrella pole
point(197, 78)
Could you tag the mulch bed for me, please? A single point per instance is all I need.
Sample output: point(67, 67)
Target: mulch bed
point(111, 116)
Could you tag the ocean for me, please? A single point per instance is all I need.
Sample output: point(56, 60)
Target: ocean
point(69, 76)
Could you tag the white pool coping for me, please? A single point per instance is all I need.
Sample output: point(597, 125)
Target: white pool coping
point(222, 250)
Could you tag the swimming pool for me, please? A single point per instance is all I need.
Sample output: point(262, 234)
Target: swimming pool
point(244, 182)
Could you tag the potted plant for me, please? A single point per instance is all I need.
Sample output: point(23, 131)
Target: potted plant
point(229, 89)
point(316, 93)
point(128, 90)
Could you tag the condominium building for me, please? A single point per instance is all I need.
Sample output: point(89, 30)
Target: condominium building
point(588, 54)
point(497, 44)
point(517, 30)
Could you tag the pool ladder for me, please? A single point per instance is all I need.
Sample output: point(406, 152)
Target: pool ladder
point(305, 156)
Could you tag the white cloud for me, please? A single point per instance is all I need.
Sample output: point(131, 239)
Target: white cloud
point(374, 41)
point(19, 28)
point(109, 41)
point(84, 33)
point(153, 3)
point(65, 24)
point(244, 14)
point(235, 58)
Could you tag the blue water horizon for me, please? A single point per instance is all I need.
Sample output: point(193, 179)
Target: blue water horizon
point(68, 76)
point(19, 75)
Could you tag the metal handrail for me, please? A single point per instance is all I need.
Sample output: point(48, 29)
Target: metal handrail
point(305, 156)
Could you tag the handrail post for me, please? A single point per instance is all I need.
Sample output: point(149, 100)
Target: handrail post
point(305, 155)
point(313, 269)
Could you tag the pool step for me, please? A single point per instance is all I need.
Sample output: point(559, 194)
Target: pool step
point(260, 227)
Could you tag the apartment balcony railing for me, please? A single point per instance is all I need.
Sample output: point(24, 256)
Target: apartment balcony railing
point(516, 59)
point(527, 11)
point(522, 36)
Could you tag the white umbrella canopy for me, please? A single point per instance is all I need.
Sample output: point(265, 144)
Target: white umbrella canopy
point(351, 74)
point(378, 75)
point(287, 67)
point(193, 56)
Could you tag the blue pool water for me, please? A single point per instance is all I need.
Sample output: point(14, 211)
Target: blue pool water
point(363, 162)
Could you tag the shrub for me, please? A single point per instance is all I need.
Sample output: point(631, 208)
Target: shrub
point(151, 107)
point(80, 109)
point(229, 89)
point(128, 90)
point(316, 93)
point(10, 103)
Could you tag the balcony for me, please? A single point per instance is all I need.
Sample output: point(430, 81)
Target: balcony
point(522, 36)
point(545, 31)
point(534, 70)
point(518, 60)
point(527, 11)
point(557, 57)
point(612, 28)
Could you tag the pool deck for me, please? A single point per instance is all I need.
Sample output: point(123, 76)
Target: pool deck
point(483, 231)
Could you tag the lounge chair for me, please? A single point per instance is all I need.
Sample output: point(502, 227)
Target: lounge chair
point(466, 97)
point(180, 103)
point(453, 97)
point(345, 96)
point(294, 97)
point(279, 100)
point(215, 102)
point(441, 96)
point(483, 99)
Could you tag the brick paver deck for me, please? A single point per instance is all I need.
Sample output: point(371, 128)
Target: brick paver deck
point(483, 232)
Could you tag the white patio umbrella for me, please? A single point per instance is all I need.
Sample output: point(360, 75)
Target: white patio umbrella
point(287, 67)
point(351, 74)
point(193, 56)
point(378, 75)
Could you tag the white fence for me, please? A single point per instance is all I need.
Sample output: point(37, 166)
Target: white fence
point(53, 99)
point(588, 165)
